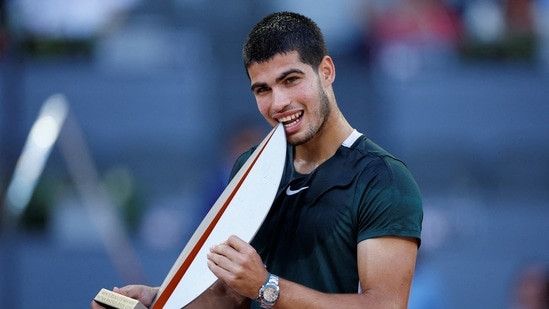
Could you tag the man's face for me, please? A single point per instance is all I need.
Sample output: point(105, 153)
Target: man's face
point(289, 91)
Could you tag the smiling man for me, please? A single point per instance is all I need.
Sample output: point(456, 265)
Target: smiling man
point(344, 229)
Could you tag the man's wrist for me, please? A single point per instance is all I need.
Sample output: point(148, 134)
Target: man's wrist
point(269, 292)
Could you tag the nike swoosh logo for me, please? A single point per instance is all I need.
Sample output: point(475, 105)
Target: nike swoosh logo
point(289, 191)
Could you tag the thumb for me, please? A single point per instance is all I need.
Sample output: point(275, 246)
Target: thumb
point(119, 291)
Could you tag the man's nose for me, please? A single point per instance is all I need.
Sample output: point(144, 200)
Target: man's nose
point(280, 100)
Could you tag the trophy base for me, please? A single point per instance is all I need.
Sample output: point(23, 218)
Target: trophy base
point(112, 300)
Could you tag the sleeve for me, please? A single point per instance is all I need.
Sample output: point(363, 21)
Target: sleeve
point(389, 202)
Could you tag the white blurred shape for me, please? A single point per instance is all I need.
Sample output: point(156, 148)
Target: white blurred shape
point(67, 18)
point(36, 150)
point(484, 21)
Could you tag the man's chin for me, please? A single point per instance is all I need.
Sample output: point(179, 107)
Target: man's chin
point(296, 140)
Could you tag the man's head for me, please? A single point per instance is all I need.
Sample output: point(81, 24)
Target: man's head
point(281, 33)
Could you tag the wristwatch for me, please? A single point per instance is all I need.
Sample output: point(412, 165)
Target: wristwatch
point(269, 292)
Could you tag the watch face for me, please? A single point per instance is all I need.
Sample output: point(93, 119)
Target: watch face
point(270, 293)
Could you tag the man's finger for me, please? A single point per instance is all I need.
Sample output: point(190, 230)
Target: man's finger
point(235, 242)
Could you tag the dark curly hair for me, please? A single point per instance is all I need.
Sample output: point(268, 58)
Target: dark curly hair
point(281, 33)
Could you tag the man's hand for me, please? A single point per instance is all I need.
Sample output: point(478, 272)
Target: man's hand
point(144, 294)
point(236, 263)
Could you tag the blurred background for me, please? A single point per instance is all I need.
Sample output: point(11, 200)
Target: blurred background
point(158, 105)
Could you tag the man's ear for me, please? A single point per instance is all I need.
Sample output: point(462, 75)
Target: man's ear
point(327, 71)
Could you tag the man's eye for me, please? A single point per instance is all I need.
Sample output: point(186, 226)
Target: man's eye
point(291, 80)
point(261, 90)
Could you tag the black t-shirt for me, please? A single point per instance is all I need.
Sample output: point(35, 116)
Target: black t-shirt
point(311, 233)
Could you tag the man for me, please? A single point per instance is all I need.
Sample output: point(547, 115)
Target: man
point(344, 229)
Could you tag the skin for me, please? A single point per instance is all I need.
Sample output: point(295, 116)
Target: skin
point(142, 293)
point(290, 91)
point(286, 87)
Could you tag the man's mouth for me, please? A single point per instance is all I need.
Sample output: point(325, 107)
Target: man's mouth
point(290, 120)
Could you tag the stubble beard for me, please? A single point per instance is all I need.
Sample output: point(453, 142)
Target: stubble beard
point(319, 117)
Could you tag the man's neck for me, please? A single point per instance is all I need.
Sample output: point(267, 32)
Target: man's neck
point(309, 156)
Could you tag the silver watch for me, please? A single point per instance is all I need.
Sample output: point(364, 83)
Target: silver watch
point(269, 292)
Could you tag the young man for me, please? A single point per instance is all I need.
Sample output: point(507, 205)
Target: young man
point(344, 229)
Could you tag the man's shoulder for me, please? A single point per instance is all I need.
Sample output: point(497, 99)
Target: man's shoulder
point(239, 162)
point(367, 150)
point(245, 155)
point(367, 146)
point(369, 160)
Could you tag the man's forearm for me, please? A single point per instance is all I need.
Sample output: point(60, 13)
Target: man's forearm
point(293, 295)
point(219, 296)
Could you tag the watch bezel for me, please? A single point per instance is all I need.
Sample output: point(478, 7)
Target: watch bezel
point(271, 289)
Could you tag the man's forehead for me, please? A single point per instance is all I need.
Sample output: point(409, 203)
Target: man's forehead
point(275, 66)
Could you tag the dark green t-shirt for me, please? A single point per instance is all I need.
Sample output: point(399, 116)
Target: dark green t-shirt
point(311, 233)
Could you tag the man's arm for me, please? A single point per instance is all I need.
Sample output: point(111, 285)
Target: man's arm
point(385, 265)
point(219, 295)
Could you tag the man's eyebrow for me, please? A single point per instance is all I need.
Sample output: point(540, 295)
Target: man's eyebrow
point(288, 72)
point(278, 79)
point(258, 85)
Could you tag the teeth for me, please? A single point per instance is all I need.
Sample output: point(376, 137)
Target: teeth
point(293, 118)
point(286, 124)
